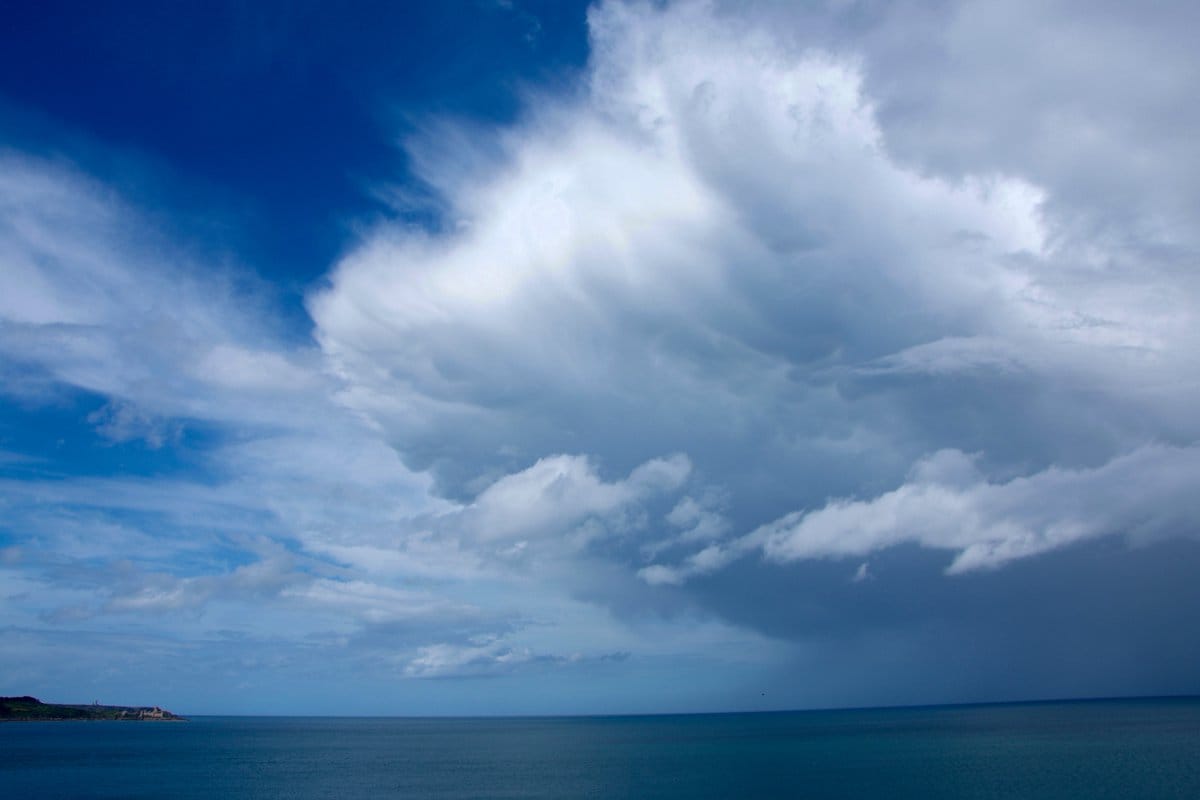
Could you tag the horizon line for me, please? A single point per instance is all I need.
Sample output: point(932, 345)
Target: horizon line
point(815, 709)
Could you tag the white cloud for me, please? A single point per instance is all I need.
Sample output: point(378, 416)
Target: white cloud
point(696, 521)
point(947, 504)
point(712, 250)
point(723, 281)
point(122, 422)
point(299, 509)
point(238, 368)
point(441, 660)
point(558, 492)
point(375, 603)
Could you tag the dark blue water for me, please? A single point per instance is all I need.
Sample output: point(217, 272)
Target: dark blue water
point(1111, 749)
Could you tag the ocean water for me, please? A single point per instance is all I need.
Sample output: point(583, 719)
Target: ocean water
point(1108, 749)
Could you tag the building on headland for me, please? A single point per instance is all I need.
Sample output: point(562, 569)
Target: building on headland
point(153, 712)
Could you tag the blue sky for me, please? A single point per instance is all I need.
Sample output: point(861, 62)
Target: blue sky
point(513, 357)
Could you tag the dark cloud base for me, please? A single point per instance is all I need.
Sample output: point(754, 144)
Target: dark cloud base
point(1095, 620)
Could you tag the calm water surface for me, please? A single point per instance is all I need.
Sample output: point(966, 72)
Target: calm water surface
point(1111, 749)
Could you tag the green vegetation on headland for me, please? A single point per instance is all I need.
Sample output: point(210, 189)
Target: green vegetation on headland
point(30, 708)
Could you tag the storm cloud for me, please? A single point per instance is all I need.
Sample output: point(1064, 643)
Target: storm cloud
point(785, 341)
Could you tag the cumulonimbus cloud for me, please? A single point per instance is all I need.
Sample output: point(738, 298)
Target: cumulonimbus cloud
point(712, 251)
point(663, 320)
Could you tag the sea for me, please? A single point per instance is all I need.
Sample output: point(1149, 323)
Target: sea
point(1127, 749)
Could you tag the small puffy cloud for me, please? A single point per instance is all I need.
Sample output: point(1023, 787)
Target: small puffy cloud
point(558, 492)
point(449, 660)
point(491, 656)
point(696, 521)
point(122, 422)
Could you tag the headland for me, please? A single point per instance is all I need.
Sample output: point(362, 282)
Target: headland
point(26, 708)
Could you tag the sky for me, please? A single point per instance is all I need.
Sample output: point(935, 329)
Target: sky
point(513, 357)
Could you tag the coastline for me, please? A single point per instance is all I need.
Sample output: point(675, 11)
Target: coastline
point(26, 708)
